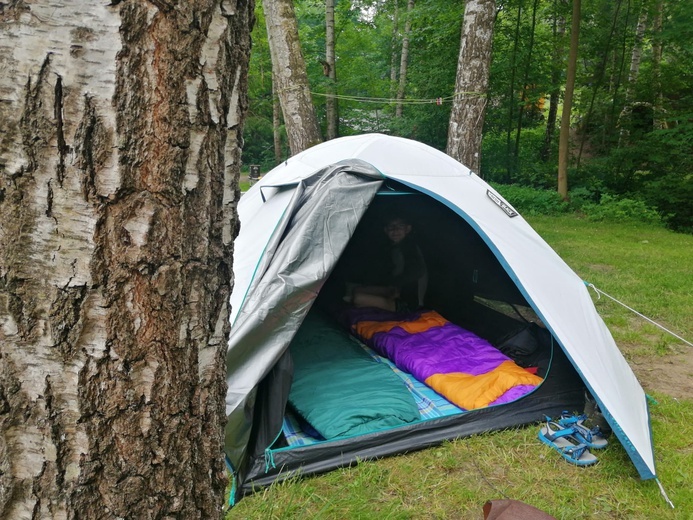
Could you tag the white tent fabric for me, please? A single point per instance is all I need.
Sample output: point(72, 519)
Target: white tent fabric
point(553, 290)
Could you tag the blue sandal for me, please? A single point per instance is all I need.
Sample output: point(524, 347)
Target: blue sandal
point(564, 441)
point(591, 437)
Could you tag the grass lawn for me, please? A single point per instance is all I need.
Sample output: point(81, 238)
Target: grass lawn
point(648, 268)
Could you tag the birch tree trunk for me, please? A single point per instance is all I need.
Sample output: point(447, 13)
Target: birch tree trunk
point(331, 105)
point(471, 84)
point(403, 60)
point(564, 136)
point(633, 72)
point(119, 164)
point(302, 128)
point(393, 49)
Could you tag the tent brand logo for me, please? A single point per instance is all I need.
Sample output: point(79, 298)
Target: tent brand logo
point(501, 204)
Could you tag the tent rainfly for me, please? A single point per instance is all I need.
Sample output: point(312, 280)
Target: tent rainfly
point(309, 225)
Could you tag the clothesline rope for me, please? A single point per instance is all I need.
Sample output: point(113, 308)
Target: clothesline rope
point(406, 101)
point(600, 292)
point(367, 99)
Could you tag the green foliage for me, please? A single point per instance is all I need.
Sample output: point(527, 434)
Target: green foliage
point(621, 210)
point(525, 169)
point(532, 201)
point(634, 147)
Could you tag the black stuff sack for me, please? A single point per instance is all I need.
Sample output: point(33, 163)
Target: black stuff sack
point(529, 346)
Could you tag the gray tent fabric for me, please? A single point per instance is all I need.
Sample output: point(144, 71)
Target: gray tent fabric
point(288, 279)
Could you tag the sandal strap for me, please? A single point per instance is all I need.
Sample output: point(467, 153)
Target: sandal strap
point(587, 433)
point(575, 452)
point(555, 430)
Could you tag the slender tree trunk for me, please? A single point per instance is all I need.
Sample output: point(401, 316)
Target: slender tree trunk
point(290, 75)
point(471, 84)
point(119, 164)
point(564, 139)
point(657, 65)
point(554, 97)
point(635, 59)
point(330, 64)
point(636, 55)
point(276, 124)
point(393, 53)
point(619, 77)
point(598, 82)
point(525, 81)
point(509, 167)
point(404, 59)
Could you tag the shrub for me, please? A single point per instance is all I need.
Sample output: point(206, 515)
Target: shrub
point(621, 210)
point(532, 201)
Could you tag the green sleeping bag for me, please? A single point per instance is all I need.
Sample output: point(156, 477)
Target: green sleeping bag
point(339, 388)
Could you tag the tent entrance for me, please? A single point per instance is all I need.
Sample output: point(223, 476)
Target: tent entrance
point(466, 282)
point(467, 285)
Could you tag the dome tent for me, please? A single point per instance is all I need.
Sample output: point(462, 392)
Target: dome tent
point(302, 217)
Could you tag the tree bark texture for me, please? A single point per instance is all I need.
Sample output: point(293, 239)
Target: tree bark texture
point(276, 124)
point(119, 162)
point(471, 84)
point(331, 104)
point(290, 75)
point(404, 60)
point(564, 136)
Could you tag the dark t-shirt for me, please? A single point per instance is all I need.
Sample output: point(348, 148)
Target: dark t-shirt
point(406, 269)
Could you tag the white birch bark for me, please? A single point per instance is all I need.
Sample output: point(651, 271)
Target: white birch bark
point(331, 104)
point(393, 50)
point(633, 72)
point(119, 163)
point(404, 60)
point(471, 84)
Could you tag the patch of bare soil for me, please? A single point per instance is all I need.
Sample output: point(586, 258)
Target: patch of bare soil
point(671, 374)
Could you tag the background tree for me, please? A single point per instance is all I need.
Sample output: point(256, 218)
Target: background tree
point(394, 51)
point(521, 104)
point(264, 136)
point(564, 140)
point(404, 60)
point(119, 164)
point(469, 104)
point(331, 104)
point(557, 32)
point(290, 75)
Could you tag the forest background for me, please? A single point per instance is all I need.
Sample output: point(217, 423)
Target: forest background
point(632, 117)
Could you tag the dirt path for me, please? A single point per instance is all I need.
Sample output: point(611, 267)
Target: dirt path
point(671, 374)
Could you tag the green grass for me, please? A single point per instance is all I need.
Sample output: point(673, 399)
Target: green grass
point(647, 267)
